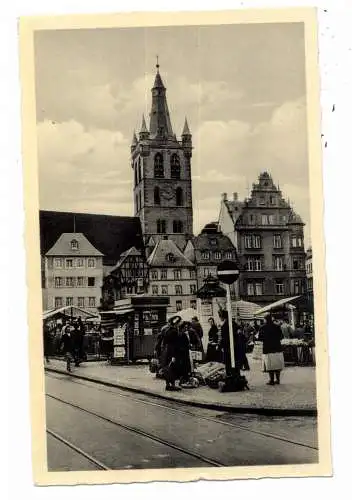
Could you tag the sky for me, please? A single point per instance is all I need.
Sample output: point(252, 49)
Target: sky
point(242, 88)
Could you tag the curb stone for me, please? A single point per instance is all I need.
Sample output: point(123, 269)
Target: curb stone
point(303, 412)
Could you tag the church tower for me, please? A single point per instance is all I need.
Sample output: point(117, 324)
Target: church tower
point(162, 174)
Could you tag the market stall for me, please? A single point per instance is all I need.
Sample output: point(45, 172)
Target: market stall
point(54, 319)
point(132, 327)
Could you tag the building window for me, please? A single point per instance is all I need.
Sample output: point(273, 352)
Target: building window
point(228, 255)
point(164, 274)
point(154, 275)
point(175, 167)
point(178, 289)
point(70, 282)
point(297, 263)
point(258, 288)
point(267, 219)
point(296, 241)
point(155, 290)
point(252, 219)
point(254, 264)
point(178, 305)
point(193, 304)
point(207, 272)
point(217, 255)
point(205, 255)
point(193, 289)
point(164, 290)
point(213, 242)
point(80, 281)
point(272, 200)
point(279, 287)
point(58, 263)
point(69, 301)
point(262, 200)
point(139, 170)
point(74, 245)
point(250, 289)
point(58, 302)
point(80, 302)
point(91, 301)
point(158, 166)
point(91, 281)
point(179, 197)
point(91, 262)
point(69, 263)
point(156, 195)
point(80, 262)
point(252, 241)
point(278, 263)
point(161, 226)
point(58, 282)
point(192, 274)
point(177, 274)
point(177, 226)
point(277, 241)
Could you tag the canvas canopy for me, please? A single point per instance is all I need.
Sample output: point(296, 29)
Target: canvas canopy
point(277, 305)
point(69, 311)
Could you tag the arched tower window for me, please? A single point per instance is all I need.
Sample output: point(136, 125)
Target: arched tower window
point(161, 226)
point(137, 203)
point(140, 200)
point(177, 226)
point(179, 197)
point(158, 166)
point(139, 170)
point(135, 176)
point(156, 196)
point(175, 167)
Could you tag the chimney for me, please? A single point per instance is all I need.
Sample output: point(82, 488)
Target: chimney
point(235, 196)
point(224, 196)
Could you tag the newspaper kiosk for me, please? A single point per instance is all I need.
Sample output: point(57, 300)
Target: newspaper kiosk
point(134, 324)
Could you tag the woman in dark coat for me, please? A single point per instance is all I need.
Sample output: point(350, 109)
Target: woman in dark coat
point(47, 343)
point(169, 352)
point(213, 342)
point(273, 358)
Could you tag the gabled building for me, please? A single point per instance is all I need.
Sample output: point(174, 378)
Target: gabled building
point(129, 277)
point(161, 166)
point(172, 274)
point(207, 250)
point(73, 273)
point(269, 238)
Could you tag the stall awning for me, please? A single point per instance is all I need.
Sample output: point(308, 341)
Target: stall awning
point(276, 305)
point(68, 311)
point(245, 310)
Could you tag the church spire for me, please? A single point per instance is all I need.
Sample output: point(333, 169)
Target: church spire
point(186, 131)
point(160, 123)
point(144, 133)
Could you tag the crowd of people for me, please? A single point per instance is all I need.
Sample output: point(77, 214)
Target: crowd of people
point(70, 343)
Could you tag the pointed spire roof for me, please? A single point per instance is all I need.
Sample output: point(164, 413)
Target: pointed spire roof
point(186, 130)
point(160, 123)
point(144, 126)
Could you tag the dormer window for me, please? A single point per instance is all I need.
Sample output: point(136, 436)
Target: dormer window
point(74, 245)
point(170, 257)
point(213, 242)
point(206, 255)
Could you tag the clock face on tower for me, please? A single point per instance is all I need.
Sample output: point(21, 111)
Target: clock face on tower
point(168, 193)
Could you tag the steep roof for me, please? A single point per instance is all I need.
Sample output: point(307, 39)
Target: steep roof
point(111, 235)
point(131, 252)
point(63, 246)
point(212, 240)
point(160, 123)
point(163, 248)
point(295, 219)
